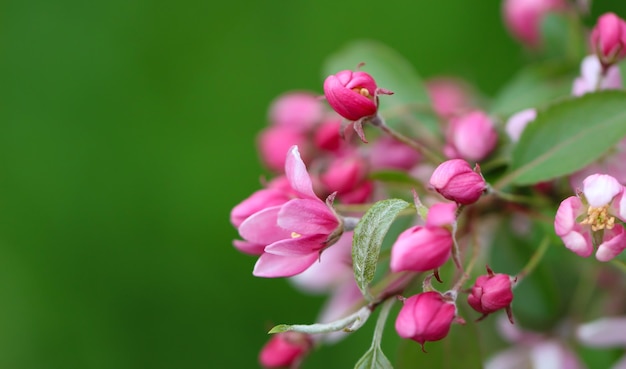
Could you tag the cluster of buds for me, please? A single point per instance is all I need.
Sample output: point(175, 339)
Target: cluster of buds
point(311, 221)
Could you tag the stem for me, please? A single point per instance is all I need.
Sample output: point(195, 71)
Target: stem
point(468, 268)
point(430, 155)
point(520, 199)
point(619, 264)
point(380, 323)
point(534, 259)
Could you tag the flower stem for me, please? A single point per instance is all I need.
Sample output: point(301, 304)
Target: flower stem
point(619, 264)
point(534, 259)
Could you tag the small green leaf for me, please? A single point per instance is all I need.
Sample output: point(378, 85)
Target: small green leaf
point(534, 86)
point(349, 323)
point(374, 358)
point(567, 136)
point(368, 237)
point(390, 70)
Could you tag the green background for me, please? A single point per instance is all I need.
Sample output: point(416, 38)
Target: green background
point(127, 133)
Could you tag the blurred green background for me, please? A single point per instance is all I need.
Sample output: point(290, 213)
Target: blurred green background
point(127, 133)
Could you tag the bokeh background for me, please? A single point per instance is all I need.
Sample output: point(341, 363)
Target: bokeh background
point(127, 133)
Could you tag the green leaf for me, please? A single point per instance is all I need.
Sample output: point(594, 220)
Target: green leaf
point(534, 86)
point(368, 237)
point(374, 358)
point(562, 37)
point(390, 70)
point(567, 136)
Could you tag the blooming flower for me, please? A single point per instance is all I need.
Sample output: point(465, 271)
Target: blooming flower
point(583, 223)
point(295, 232)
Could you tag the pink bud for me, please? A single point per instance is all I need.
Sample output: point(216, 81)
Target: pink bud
point(441, 214)
point(449, 96)
point(284, 350)
point(299, 111)
point(608, 38)
point(471, 136)
point(351, 94)
point(327, 135)
point(344, 174)
point(274, 142)
point(490, 293)
point(523, 18)
point(425, 317)
point(389, 153)
point(456, 181)
point(420, 249)
point(358, 195)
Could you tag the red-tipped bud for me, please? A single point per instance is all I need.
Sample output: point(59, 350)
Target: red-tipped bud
point(456, 181)
point(491, 293)
point(284, 350)
point(352, 94)
point(425, 317)
point(471, 137)
point(608, 38)
point(421, 249)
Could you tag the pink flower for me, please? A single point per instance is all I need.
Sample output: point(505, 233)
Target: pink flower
point(517, 122)
point(491, 293)
point(450, 96)
point(298, 110)
point(593, 77)
point(275, 141)
point(327, 137)
point(285, 350)
point(422, 248)
point(389, 153)
point(295, 232)
point(456, 181)
point(608, 38)
point(579, 222)
point(344, 173)
point(425, 317)
point(471, 137)
point(523, 18)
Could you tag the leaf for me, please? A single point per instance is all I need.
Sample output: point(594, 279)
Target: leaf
point(567, 136)
point(390, 70)
point(368, 237)
point(374, 358)
point(534, 86)
point(349, 323)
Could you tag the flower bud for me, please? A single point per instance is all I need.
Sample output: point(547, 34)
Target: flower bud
point(351, 94)
point(425, 317)
point(389, 153)
point(523, 18)
point(327, 135)
point(299, 111)
point(449, 95)
point(344, 174)
point(608, 38)
point(284, 350)
point(490, 293)
point(274, 142)
point(456, 181)
point(470, 137)
point(421, 248)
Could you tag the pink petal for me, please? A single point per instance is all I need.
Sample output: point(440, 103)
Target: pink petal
point(600, 189)
point(605, 332)
point(613, 244)
point(578, 243)
point(565, 219)
point(303, 245)
point(306, 216)
point(262, 227)
point(272, 266)
point(249, 247)
point(259, 200)
point(296, 173)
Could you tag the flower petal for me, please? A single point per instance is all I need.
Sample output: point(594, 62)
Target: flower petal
point(296, 173)
point(273, 266)
point(604, 332)
point(306, 217)
point(249, 247)
point(302, 245)
point(613, 244)
point(262, 227)
point(600, 189)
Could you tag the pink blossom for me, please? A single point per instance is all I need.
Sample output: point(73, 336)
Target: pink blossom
point(449, 95)
point(608, 38)
point(425, 317)
point(517, 122)
point(297, 110)
point(344, 173)
point(456, 181)
point(388, 153)
point(295, 232)
point(593, 77)
point(471, 136)
point(422, 248)
point(284, 350)
point(351, 94)
point(491, 293)
point(258, 201)
point(523, 18)
point(580, 221)
point(327, 137)
point(275, 141)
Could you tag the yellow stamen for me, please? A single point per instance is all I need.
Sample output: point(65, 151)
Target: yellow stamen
point(362, 91)
point(295, 235)
point(599, 218)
